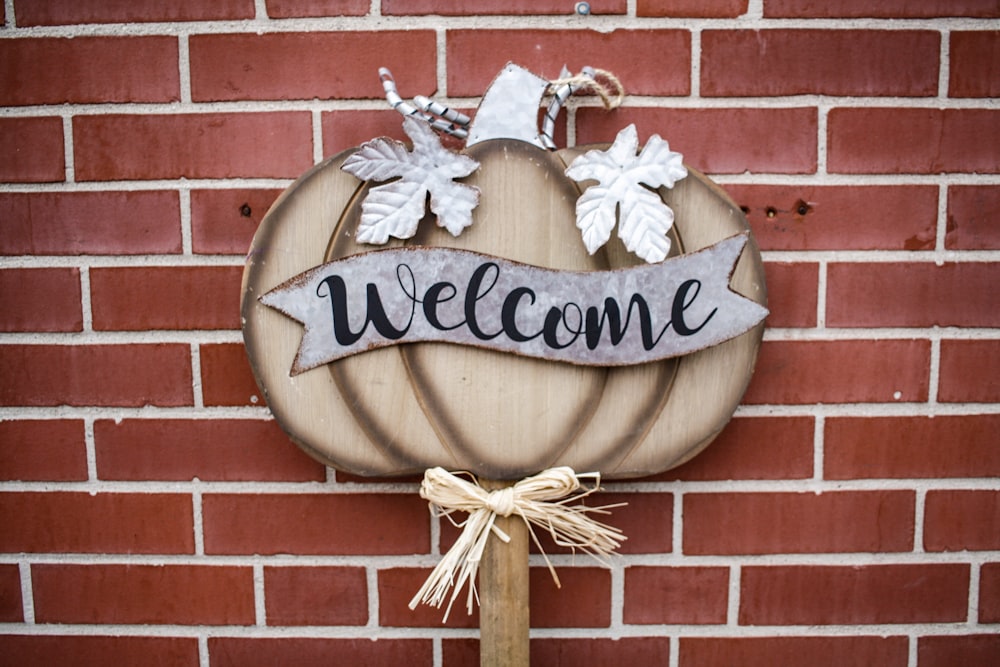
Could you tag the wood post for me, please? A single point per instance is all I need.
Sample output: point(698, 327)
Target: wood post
point(503, 594)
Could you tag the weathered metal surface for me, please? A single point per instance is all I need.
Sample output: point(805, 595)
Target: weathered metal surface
point(600, 318)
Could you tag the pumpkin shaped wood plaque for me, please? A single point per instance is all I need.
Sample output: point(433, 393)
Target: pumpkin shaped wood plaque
point(501, 328)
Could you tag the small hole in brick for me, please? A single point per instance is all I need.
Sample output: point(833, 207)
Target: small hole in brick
point(772, 212)
point(745, 209)
point(246, 211)
point(802, 207)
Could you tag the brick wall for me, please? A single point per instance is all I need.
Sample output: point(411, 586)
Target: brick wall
point(151, 511)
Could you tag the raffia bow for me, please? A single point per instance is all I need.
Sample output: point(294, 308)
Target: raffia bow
point(530, 498)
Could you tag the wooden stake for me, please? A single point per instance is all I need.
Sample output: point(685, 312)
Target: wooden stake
point(503, 594)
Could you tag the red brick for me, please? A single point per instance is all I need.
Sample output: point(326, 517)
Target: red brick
point(475, 57)
point(974, 61)
point(353, 524)
point(316, 595)
point(114, 375)
point(40, 300)
point(584, 601)
point(99, 651)
point(141, 298)
point(85, 223)
point(835, 595)
point(568, 652)
point(744, 63)
point(209, 145)
point(310, 652)
point(226, 378)
point(753, 448)
point(883, 9)
point(646, 519)
point(989, 593)
point(346, 129)
point(792, 289)
point(145, 523)
point(85, 70)
point(207, 449)
point(970, 371)
point(43, 450)
point(398, 585)
point(713, 9)
point(847, 371)
point(906, 447)
point(675, 595)
point(962, 520)
point(286, 9)
point(973, 212)
point(717, 141)
point(914, 141)
point(11, 605)
point(32, 149)
point(840, 217)
point(913, 295)
point(964, 650)
point(283, 66)
point(224, 221)
point(143, 594)
point(494, 7)
point(774, 523)
point(793, 651)
point(67, 12)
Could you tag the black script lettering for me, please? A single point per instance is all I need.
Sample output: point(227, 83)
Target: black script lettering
point(681, 303)
point(595, 324)
point(374, 314)
point(474, 294)
point(553, 319)
point(508, 314)
point(435, 294)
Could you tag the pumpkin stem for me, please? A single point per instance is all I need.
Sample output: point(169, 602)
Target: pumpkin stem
point(509, 109)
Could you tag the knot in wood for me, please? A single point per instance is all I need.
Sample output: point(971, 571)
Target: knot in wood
point(501, 502)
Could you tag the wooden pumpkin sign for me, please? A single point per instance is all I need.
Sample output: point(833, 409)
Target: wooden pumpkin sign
point(499, 327)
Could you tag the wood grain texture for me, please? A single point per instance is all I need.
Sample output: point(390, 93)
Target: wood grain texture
point(400, 410)
point(504, 616)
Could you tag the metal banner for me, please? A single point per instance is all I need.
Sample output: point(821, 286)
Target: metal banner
point(600, 318)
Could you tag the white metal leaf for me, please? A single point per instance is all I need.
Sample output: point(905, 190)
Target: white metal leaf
point(378, 160)
point(595, 216)
point(395, 209)
point(622, 191)
point(452, 203)
point(645, 221)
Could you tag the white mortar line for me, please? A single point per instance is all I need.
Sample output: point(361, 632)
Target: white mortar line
point(184, 197)
point(86, 307)
point(733, 598)
point(184, 68)
point(944, 59)
point(68, 157)
point(27, 592)
point(819, 448)
point(696, 64)
point(90, 445)
point(941, 230)
point(204, 659)
point(197, 519)
point(975, 572)
point(317, 136)
point(260, 608)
